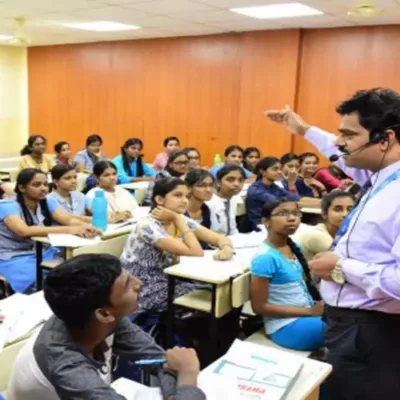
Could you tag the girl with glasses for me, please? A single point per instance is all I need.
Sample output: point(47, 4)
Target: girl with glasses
point(194, 157)
point(281, 287)
point(177, 166)
point(201, 187)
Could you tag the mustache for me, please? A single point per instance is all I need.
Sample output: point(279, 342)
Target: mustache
point(343, 149)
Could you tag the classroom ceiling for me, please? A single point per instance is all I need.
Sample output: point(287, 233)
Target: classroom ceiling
point(165, 18)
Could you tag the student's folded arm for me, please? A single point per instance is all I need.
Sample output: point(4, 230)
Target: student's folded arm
point(66, 219)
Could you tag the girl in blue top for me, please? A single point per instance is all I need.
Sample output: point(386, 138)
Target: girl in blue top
point(290, 304)
point(30, 214)
point(130, 165)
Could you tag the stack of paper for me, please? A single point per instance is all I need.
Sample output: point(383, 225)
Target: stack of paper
point(68, 240)
point(23, 315)
point(250, 371)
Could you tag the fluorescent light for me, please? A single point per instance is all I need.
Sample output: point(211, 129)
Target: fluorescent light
point(6, 37)
point(102, 26)
point(276, 11)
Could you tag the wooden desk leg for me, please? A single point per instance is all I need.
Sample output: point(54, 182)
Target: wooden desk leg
point(39, 259)
point(170, 312)
point(213, 335)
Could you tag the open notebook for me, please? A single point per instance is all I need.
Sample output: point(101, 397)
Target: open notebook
point(251, 372)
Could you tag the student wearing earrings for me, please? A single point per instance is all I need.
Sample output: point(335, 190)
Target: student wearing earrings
point(33, 155)
point(130, 165)
point(29, 214)
point(282, 290)
point(230, 181)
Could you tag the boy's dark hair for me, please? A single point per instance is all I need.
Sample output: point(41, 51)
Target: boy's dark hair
point(79, 286)
point(170, 139)
point(328, 199)
point(378, 109)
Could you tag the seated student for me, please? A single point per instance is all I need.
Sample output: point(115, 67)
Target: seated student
point(251, 157)
point(290, 171)
point(335, 206)
point(33, 155)
point(230, 181)
point(193, 156)
point(74, 354)
point(233, 155)
point(120, 201)
point(265, 189)
point(306, 184)
point(156, 242)
point(201, 186)
point(130, 165)
point(289, 303)
point(332, 178)
point(177, 166)
point(92, 154)
point(31, 214)
point(63, 154)
point(171, 144)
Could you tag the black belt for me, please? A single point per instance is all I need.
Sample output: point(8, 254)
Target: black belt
point(358, 315)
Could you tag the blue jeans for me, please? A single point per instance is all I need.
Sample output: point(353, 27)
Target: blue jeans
point(305, 334)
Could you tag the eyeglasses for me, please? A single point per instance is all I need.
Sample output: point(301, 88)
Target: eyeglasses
point(287, 214)
point(181, 163)
point(194, 158)
point(205, 186)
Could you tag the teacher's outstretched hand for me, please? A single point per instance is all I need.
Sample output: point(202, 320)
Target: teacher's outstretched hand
point(288, 118)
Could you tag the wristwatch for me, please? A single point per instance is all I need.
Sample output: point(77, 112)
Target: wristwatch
point(337, 274)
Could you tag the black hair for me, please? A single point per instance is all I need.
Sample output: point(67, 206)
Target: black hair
point(337, 172)
point(231, 149)
point(27, 149)
point(378, 109)
point(196, 176)
point(264, 164)
point(172, 157)
point(266, 213)
point(164, 186)
point(58, 171)
point(93, 139)
point(228, 168)
point(125, 161)
point(23, 178)
point(288, 157)
point(187, 150)
point(328, 199)
point(247, 152)
point(101, 166)
point(75, 289)
point(170, 139)
point(307, 154)
point(58, 146)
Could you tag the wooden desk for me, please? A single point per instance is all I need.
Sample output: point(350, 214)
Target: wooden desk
point(40, 241)
point(217, 301)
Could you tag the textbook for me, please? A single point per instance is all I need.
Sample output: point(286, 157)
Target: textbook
point(251, 372)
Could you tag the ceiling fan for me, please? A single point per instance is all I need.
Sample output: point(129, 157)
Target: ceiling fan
point(19, 38)
point(367, 9)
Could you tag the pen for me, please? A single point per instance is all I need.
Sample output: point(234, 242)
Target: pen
point(151, 362)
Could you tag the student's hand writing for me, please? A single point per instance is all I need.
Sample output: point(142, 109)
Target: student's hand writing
point(164, 215)
point(292, 121)
point(182, 360)
point(86, 231)
point(226, 253)
point(318, 309)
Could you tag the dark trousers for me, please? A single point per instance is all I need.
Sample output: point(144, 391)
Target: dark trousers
point(364, 350)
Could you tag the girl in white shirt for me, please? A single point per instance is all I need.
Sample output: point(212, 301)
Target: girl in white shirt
point(119, 200)
point(230, 181)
